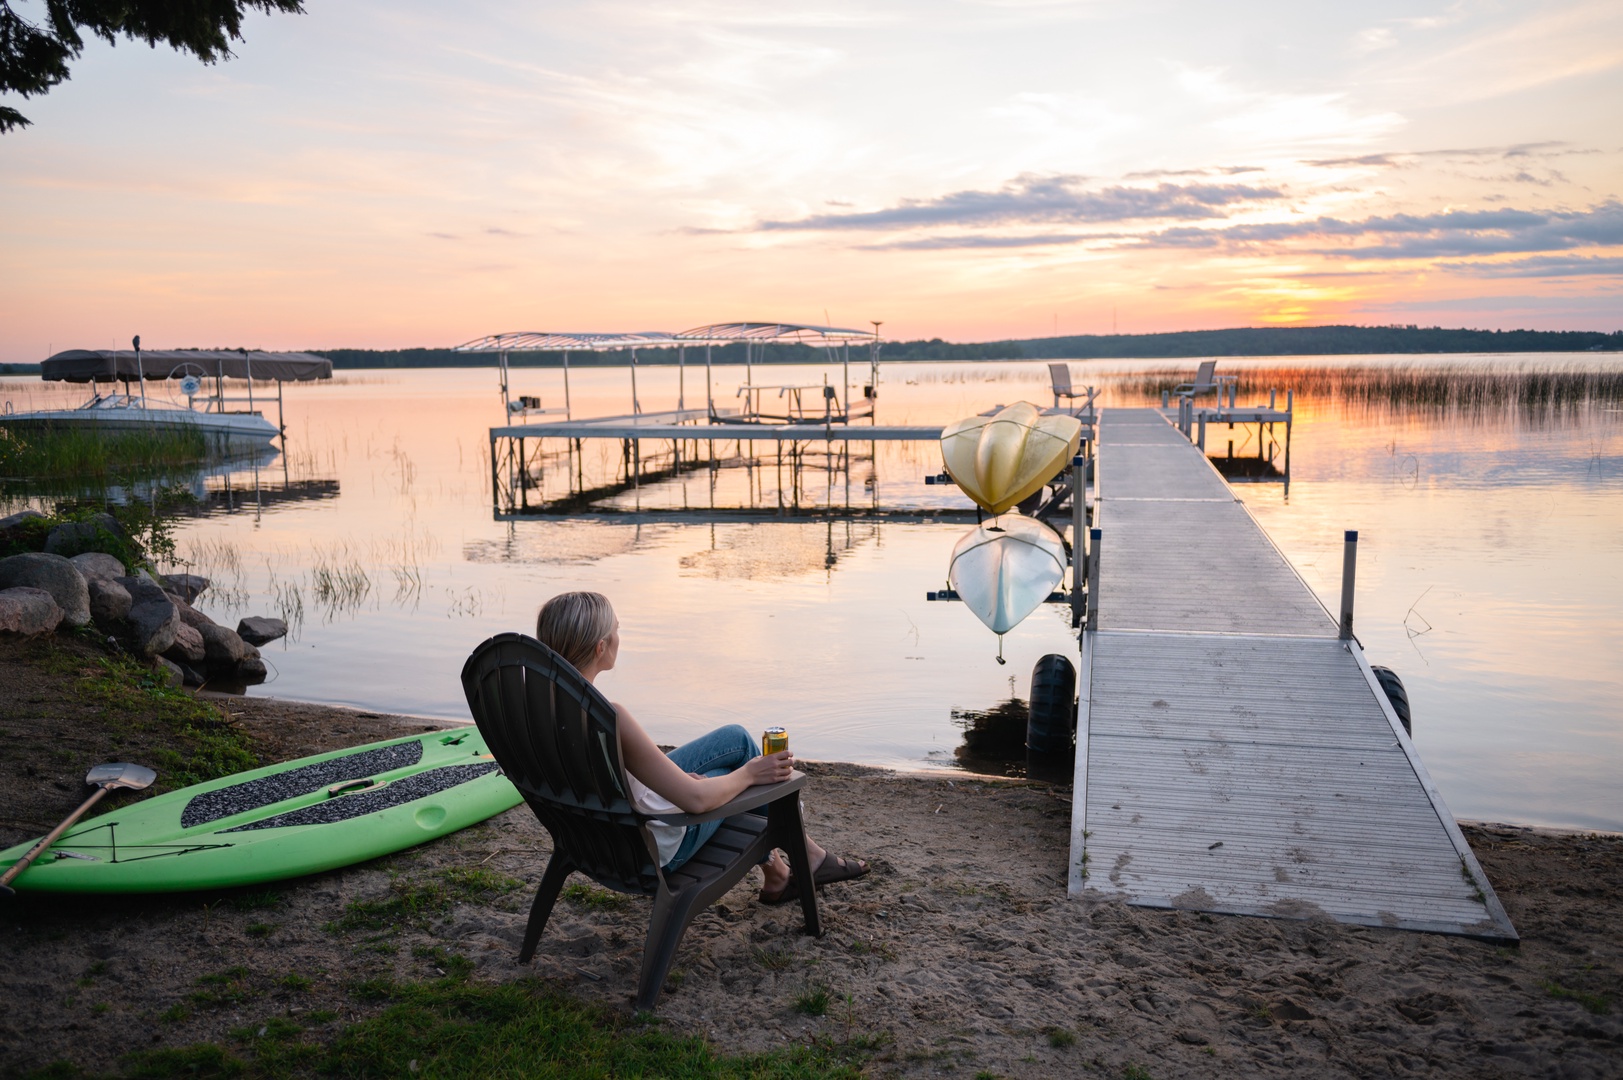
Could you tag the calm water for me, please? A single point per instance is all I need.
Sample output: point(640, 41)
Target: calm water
point(1490, 574)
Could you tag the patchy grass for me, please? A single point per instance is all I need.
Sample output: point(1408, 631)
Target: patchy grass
point(412, 902)
point(592, 898)
point(451, 1028)
point(813, 1001)
point(72, 452)
point(1598, 1004)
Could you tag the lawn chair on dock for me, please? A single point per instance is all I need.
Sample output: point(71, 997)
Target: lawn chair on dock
point(556, 738)
point(1206, 378)
point(1059, 377)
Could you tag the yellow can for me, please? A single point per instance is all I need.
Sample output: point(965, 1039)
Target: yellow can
point(775, 740)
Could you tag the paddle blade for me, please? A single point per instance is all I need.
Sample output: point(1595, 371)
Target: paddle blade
point(121, 774)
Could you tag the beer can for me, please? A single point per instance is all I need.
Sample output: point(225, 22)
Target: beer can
point(775, 740)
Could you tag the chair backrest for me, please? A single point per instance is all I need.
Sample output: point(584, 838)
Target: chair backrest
point(556, 738)
point(1060, 376)
point(1204, 375)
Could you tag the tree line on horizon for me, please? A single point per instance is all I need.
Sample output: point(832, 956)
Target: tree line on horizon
point(1247, 341)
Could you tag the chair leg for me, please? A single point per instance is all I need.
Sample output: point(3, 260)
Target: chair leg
point(669, 921)
point(789, 833)
point(552, 883)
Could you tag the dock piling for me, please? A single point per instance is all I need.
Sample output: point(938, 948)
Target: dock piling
point(1079, 519)
point(1349, 567)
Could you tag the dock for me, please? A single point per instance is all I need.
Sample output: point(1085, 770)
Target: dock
point(1235, 753)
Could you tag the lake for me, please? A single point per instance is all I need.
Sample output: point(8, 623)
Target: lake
point(1490, 569)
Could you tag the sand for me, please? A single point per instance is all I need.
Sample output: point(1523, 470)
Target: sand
point(959, 954)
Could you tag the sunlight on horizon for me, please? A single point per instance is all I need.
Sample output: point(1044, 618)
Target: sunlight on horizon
point(371, 175)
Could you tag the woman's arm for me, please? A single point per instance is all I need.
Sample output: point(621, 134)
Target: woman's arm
point(693, 794)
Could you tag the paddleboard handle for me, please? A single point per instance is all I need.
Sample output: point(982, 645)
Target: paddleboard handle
point(351, 786)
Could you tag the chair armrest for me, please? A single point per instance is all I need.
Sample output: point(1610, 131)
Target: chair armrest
point(759, 795)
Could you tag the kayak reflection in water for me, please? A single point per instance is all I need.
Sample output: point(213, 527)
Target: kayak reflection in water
point(695, 777)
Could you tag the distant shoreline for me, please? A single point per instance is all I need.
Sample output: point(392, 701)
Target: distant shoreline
point(1183, 345)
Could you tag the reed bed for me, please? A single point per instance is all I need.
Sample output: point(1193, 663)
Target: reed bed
point(41, 453)
point(1441, 387)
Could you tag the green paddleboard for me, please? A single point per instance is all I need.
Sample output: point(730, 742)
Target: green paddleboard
point(282, 821)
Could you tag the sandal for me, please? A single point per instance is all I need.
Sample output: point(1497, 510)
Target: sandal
point(837, 868)
point(790, 891)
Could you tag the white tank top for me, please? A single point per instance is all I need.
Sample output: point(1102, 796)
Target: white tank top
point(648, 801)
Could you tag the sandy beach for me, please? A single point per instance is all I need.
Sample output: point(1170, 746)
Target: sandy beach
point(960, 954)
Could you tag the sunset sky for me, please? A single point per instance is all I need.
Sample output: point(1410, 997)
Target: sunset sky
point(412, 173)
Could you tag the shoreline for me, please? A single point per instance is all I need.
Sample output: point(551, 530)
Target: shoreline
point(960, 952)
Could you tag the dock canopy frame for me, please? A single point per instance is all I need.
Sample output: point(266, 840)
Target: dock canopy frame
point(750, 334)
point(112, 365)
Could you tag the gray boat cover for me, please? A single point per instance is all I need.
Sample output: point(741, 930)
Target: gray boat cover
point(85, 365)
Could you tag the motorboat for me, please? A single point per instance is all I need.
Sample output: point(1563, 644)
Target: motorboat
point(189, 392)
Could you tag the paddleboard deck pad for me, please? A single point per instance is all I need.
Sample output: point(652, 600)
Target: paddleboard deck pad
point(301, 817)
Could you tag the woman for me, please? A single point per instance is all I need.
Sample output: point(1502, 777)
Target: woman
point(706, 773)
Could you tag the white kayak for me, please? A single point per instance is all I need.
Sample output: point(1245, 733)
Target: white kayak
point(999, 460)
point(1003, 568)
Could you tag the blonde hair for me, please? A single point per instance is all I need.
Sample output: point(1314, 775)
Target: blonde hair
point(572, 623)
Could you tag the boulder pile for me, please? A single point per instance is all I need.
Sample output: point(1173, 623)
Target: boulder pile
point(151, 615)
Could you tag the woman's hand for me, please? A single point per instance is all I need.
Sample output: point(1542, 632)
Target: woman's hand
point(769, 768)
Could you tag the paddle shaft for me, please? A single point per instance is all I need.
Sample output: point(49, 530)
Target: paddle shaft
point(50, 838)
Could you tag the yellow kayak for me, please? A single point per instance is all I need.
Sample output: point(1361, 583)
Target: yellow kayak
point(999, 460)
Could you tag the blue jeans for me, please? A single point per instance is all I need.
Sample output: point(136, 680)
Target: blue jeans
point(715, 754)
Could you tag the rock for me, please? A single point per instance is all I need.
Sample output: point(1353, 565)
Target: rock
point(97, 564)
point(110, 602)
point(252, 670)
point(92, 534)
point(187, 586)
point(223, 646)
point(169, 671)
point(188, 647)
point(153, 624)
point(55, 575)
point(191, 675)
point(190, 615)
point(258, 629)
point(28, 611)
point(143, 590)
point(17, 520)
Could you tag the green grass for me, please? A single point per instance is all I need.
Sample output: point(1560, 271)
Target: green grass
point(813, 1001)
point(1598, 1004)
point(199, 742)
point(72, 452)
point(412, 902)
point(592, 898)
point(450, 1029)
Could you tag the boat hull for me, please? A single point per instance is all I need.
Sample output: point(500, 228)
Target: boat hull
point(1001, 459)
point(224, 432)
point(1004, 568)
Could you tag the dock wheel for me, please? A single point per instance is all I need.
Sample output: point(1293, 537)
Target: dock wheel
point(1051, 728)
point(1392, 687)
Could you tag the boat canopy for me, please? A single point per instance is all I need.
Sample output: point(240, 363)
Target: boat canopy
point(87, 365)
point(714, 334)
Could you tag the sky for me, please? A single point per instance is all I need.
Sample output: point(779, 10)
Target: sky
point(383, 175)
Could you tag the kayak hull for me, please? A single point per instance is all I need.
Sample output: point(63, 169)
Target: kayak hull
point(1004, 568)
point(1002, 459)
point(301, 817)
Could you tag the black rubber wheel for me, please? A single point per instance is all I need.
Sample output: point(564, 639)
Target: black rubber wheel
point(1051, 728)
point(1392, 686)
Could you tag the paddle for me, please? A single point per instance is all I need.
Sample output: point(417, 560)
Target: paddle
point(105, 778)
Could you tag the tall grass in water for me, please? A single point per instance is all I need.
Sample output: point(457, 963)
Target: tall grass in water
point(38, 453)
point(1440, 387)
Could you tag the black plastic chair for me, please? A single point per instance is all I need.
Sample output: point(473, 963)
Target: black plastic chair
point(557, 740)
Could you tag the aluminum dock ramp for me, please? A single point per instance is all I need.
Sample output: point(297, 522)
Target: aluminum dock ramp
point(1234, 755)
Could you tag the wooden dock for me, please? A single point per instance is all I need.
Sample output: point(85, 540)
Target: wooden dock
point(691, 425)
point(1235, 755)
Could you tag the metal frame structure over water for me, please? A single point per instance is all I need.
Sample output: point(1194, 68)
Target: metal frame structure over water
point(753, 335)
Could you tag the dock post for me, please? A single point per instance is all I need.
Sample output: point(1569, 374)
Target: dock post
point(1093, 579)
point(1349, 566)
point(1200, 439)
point(1166, 398)
point(1079, 519)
